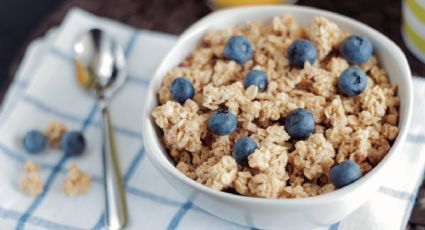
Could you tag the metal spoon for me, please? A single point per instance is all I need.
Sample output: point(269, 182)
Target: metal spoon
point(100, 68)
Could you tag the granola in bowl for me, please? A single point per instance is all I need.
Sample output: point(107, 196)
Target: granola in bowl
point(208, 104)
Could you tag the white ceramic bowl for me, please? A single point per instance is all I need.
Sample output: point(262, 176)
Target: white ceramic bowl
point(299, 213)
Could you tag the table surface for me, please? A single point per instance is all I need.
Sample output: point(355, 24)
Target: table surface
point(161, 15)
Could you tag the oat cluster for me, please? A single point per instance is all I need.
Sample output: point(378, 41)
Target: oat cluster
point(359, 128)
point(54, 132)
point(31, 182)
point(76, 181)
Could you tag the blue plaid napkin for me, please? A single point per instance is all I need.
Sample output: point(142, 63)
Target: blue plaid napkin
point(44, 89)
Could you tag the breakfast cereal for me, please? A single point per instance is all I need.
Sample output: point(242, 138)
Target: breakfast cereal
point(359, 128)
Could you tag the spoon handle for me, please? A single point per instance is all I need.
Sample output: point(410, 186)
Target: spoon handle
point(116, 207)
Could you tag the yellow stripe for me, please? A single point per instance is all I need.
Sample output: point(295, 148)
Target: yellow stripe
point(413, 37)
point(228, 3)
point(417, 10)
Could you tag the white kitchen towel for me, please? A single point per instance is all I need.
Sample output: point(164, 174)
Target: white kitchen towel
point(45, 89)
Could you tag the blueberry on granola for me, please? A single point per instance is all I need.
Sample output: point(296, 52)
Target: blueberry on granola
point(242, 148)
point(181, 89)
point(258, 78)
point(299, 123)
point(238, 48)
point(222, 122)
point(356, 49)
point(73, 143)
point(345, 173)
point(34, 141)
point(352, 81)
point(301, 51)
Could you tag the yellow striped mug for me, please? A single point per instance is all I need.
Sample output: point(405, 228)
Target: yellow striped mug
point(413, 27)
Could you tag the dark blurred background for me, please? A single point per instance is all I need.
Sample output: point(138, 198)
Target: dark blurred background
point(21, 21)
point(18, 18)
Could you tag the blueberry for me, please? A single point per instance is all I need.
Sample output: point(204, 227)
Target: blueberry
point(301, 51)
point(238, 48)
point(181, 89)
point(243, 147)
point(352, 81)
point(356, 49)
point(258, 78)
point(299, 123)
point(34, 141)
point(73, 143)
point(222, 122)
point(345, 173)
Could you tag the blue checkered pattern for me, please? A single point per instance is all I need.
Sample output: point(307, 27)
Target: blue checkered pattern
point(44, 89)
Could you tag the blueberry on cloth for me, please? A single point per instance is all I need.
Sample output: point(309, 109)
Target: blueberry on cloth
point(181, 89)
point(73, 143)
point(258, 78)
point(352, 81)
point(222, 122)
point(299, 123)
point(238, 48)
point(242, 148)
point(301, 51)
point(356, 49)
point(34, 141)
point(345, 173)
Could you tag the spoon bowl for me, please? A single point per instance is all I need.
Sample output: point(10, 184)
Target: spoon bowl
point(100, 64)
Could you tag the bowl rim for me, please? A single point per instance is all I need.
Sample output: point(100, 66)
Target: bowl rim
point(335, 195)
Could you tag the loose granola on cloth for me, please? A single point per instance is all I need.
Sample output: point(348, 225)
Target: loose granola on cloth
point(360, 128)
point(76, 181)
point(31, 182)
